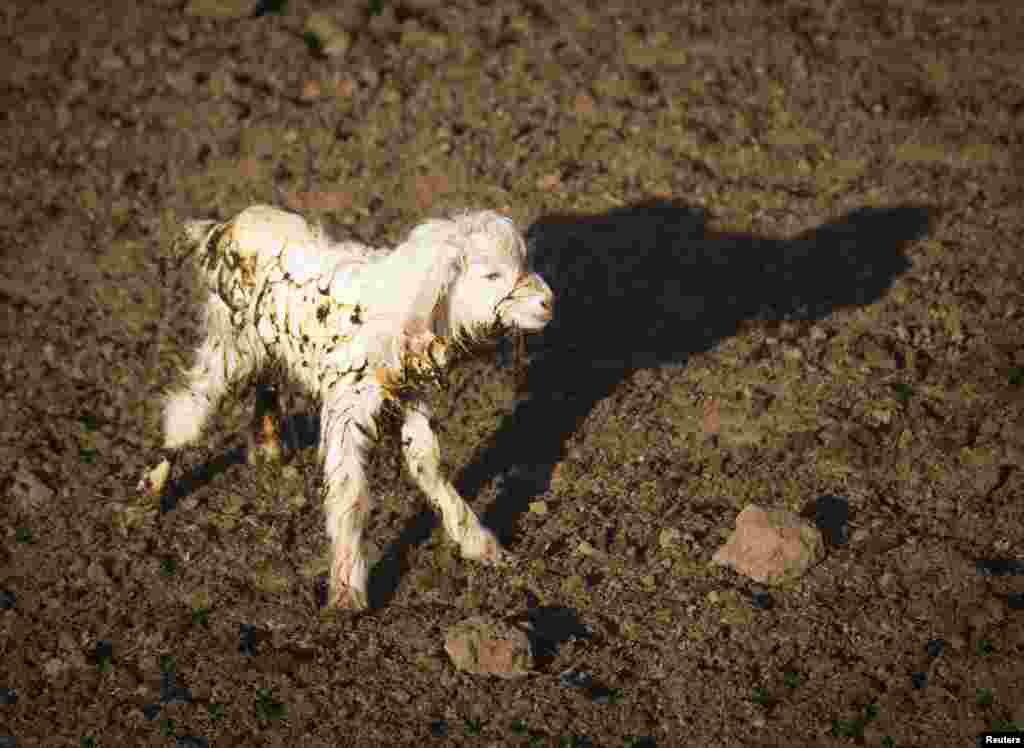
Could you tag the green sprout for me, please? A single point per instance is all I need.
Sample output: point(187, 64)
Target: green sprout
point(903, 392)
point(268, 708)
point(313, 43)
point(167, 726)
point(90, 422)
point(854, 728)
point(168, 567)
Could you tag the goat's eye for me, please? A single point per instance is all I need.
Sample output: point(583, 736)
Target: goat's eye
point(492, 276)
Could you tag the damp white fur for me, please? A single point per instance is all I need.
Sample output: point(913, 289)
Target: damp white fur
point(359, 328)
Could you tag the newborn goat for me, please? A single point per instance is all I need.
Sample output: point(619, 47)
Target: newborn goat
point(357, 327)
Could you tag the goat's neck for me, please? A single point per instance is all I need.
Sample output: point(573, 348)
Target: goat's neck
point(441, 320)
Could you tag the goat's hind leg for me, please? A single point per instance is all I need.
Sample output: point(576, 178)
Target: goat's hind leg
point(423, 457)
point(219, 364)
point(267, 435)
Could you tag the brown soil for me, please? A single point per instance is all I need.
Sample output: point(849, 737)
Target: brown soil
point(786, 242)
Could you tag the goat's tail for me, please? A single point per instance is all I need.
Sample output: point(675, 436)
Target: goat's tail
point(191, 242)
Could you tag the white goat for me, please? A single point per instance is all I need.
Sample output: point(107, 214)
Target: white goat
point(358, 327)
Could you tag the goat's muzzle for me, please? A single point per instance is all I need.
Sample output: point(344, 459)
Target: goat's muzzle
point(529, 306)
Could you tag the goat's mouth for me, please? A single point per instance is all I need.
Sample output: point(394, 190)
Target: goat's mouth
point(530, 324)
point(530, 319)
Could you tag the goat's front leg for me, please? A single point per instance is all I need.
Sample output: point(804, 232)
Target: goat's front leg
point(347, 428)
point(423, 456)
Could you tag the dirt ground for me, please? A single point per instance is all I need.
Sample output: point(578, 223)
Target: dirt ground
point(785, 239)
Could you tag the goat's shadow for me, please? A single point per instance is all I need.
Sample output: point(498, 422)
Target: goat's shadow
point(647, 285)
point(650, 284)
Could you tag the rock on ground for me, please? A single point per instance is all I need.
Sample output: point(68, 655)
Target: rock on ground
point(771, 546)
point(483, 646)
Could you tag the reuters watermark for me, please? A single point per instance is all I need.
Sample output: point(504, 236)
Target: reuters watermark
point(1000, 738)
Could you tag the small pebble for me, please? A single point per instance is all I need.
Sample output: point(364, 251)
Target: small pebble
point(179, 33)
point(112, 62)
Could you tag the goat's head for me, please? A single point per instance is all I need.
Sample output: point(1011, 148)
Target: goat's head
point(495, 286)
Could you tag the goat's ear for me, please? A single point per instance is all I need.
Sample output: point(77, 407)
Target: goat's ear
point(426, 279)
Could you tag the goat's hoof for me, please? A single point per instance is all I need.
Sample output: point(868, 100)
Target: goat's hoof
point(154, 481)
point(490, 554)
point(345, 598)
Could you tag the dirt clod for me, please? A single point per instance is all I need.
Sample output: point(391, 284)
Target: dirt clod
point(771, 546)
point(483, 646)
